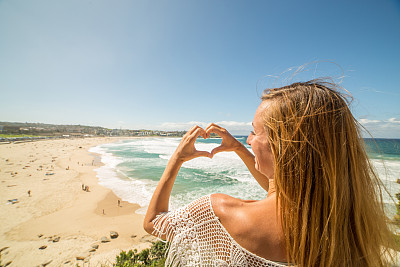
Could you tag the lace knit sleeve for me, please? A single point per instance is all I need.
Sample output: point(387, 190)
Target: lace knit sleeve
point(181, 228)
point(181, 220)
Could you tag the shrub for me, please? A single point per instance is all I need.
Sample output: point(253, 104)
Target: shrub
point(153, 256)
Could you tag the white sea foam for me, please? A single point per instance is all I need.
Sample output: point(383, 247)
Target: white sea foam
point(106, 158)
point(163, 146)
point(388, 171)
point(131, 190)
point(140, 191)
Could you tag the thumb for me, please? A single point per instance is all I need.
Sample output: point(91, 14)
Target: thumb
point(203, 154)
point(217, 150)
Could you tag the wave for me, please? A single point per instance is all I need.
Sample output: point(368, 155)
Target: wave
point(132, 169)
point(126, 188)
point(226, 173)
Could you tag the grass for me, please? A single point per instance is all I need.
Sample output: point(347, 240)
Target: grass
point(17, 135)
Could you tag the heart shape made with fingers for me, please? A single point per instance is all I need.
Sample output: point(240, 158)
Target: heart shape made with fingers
point(189, 149)
point(216, 132)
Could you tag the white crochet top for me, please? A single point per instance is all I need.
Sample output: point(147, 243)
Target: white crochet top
point(197, 238)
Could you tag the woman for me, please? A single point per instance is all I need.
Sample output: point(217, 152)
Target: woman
point(323, 206)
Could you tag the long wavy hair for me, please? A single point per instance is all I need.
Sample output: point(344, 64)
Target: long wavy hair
point(329, 195)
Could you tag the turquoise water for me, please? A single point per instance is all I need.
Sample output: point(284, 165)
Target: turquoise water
point(388, 149)
point(132, 169)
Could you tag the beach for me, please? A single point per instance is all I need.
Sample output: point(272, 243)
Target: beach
point(46, 216)
point(47, 219)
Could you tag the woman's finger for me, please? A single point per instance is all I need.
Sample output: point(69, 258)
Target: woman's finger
point(209, 125)
point(217, 150)
point(206, 129)
point(191, 130)
point(196, 133)
point(203, 154)
point(215, 129)
point(199, 131)
point(212, 125)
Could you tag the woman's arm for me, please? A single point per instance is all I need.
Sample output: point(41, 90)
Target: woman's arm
point(229, 143)
point(185, 151)
point(248, 159)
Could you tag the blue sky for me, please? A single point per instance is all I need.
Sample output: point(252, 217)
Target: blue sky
point(169, 64)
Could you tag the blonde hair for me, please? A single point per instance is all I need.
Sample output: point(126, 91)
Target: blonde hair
point(329, 195)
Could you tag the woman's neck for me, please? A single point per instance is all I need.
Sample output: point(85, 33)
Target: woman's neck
point(271, 188)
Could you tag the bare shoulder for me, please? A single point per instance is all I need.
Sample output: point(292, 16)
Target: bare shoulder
point(254, 225)
point(223, 204)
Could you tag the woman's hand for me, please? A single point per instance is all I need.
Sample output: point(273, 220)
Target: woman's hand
point(229, 143)
point(186, 149)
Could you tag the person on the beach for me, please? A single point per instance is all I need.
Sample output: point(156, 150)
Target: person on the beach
point(323, 206)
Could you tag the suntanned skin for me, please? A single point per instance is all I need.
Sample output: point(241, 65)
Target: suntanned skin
point(255, 225)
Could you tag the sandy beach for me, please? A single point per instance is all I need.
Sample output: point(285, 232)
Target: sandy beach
point(60, 224)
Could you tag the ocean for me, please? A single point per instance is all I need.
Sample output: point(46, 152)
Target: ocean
point(132, 169)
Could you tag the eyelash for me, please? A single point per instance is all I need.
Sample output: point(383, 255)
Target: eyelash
point(253, 133)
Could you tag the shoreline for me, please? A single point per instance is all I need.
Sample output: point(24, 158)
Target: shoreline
point(67, 211)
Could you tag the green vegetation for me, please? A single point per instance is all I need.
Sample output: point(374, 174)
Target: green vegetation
point(16, 135)
point(397, 216)
point(153, 256)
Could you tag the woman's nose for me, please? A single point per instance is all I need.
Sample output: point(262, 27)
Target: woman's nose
point(248, 141)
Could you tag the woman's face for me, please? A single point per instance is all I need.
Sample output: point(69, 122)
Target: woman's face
point(259, 143)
